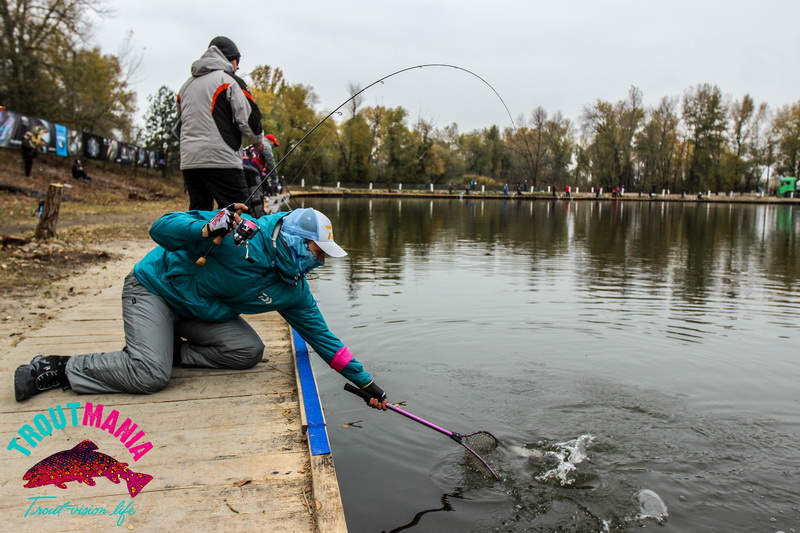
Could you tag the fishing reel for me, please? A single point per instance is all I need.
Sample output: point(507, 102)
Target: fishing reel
point(242, 233)
point(245, 231)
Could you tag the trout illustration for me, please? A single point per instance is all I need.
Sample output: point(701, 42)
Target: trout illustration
point(82, 463)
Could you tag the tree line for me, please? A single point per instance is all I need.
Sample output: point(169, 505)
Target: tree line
point(700, 140)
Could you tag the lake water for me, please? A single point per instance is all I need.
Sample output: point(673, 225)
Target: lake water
point(612, 347)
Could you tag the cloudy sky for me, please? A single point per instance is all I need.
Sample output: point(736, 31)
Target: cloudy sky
point(560, 55)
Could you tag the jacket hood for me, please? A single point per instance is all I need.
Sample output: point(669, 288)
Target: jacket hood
point(285, 263)
point(278, 252)
point(210, 61)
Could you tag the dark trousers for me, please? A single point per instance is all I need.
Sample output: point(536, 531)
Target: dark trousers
point(28, 163)
point(206, 185)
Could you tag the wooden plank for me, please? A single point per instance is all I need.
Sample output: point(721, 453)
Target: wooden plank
point(289, 467)
point(271, 379)
point(219, 431)
point(266, 407)
point(330, 511)
point(230, 508)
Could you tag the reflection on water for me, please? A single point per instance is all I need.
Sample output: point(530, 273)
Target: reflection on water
point(665, 331)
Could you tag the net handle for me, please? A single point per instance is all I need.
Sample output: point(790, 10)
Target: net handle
point(455, 436)
point(367, 397)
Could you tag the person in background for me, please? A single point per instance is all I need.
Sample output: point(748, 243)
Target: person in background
point(215, 112)
point(78, 173)
point(28, 147)
point(269, 164)
point(168, 297)
point(253, 168)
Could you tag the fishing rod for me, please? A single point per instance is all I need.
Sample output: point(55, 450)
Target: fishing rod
point(246, 229)
point(355, 95)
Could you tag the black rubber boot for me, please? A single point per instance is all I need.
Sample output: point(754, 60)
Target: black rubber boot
point(43, 373)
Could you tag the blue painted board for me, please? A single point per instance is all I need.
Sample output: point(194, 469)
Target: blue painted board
point(317, 434)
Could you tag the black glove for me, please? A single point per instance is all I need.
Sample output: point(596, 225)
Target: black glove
point(375, 391)
point(222, 223)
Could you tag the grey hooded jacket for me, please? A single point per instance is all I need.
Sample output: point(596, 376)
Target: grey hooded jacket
point(214, 115)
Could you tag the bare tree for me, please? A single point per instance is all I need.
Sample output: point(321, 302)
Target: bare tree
point(353, 89)
point(529, 144)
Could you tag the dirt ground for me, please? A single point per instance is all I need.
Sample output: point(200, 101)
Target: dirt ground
point(100, 223)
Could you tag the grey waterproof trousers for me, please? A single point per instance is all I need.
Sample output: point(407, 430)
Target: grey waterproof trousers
point(144, 365)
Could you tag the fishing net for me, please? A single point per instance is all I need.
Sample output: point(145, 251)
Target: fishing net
point(481, 442)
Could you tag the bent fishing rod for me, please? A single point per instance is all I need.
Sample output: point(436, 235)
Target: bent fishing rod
point(247, 229)
point(355, 95)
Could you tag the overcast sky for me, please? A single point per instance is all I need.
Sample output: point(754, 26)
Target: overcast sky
point(559, 54)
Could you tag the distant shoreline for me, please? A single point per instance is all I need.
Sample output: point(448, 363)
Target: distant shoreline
point(736, 198)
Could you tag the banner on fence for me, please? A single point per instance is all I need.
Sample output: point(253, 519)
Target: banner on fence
point(66, 142)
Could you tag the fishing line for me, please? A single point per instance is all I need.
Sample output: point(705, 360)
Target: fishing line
point(308, 159)
point(353, 96)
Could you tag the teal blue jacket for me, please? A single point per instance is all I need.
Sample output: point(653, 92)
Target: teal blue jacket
point(228, 285)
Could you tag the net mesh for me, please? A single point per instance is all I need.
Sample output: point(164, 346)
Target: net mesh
point(479, 443)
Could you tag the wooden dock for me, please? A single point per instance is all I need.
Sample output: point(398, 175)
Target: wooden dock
point(230, 451)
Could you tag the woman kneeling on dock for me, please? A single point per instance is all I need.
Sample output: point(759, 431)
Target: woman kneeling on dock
point(171, 295)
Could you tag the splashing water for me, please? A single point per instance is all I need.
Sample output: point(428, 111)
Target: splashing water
point(565, 456)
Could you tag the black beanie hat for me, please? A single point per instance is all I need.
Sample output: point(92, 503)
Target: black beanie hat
point(226, 46)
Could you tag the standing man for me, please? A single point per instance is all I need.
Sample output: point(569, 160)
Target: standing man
point(216, 111)
point(28, 152)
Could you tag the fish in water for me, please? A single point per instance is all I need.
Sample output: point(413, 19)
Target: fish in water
point(521, 451)
point(82, 463)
